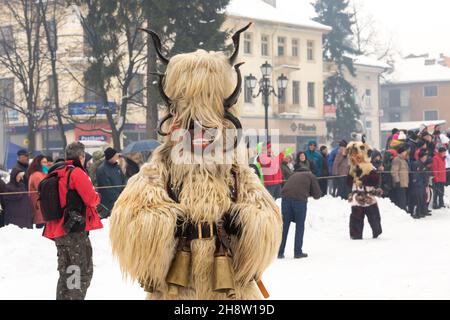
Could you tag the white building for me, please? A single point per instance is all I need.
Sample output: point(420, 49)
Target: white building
point(292, 43)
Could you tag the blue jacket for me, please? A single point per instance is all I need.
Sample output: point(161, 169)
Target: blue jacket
point(331, 157)
point(317, 160)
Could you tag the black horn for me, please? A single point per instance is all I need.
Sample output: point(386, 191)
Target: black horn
point(236, 41)
point(161, 87)
point(237, 124)
point(232, 99)
point(163, 120)
point(158, 45)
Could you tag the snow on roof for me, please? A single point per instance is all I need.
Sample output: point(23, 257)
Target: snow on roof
point(414, 70)
point(287, 12)
point(409, 125)
point(370, 62)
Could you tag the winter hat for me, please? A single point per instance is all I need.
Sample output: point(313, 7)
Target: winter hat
point(395, 136)
point(403, 148)
point(401, 136)
point(22, 152)
point(312, 142)
point(442, 149)
point(343, 143)
point(109, 153)
point(395, 130)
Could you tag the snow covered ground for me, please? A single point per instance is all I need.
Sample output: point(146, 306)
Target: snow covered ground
point(411, 260)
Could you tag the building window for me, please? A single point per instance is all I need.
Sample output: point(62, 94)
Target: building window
point(368, 98)
point(430, 91)
point(50, 92)
point(248, 94)
point(295, 47)
point(264, 45)
point(92, 94)
point(135, 90)
point(6, 91)
point(296, 92)
point(247, 43)
point(430, 115)
point(6, 40)
point(311, 95)
point(394, 98)
point(310, 50)
point(53, 34)
point(281, 46)
point(395, 117)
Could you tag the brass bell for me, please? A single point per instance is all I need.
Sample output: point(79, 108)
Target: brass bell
point(223, 277)
point(179, 272)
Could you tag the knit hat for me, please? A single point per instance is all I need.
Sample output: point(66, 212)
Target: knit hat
point(401, 136)
point(109, 153)
point(343, 143)
point(22, 152)
point(442, 149)
point(312, 142)
point(395, 130)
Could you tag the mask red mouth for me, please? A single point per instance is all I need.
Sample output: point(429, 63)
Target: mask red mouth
point(201, 138)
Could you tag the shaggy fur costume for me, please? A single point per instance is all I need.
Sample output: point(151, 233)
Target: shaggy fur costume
point(365, 182)
point(144, 218)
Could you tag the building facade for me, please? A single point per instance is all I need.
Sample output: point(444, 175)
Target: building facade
point(293, 47)
point(417, 90)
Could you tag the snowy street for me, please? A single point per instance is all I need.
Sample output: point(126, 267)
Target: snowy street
point(410, 260)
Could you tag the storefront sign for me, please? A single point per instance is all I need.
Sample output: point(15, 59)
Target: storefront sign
point(302, 128)
point(93, 138)
point(90, 108)
point(329, 111)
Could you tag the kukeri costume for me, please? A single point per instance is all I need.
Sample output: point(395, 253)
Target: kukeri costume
point(365, 181)
point(196, 230)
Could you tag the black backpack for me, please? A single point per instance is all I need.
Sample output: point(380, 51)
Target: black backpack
point(49, 200)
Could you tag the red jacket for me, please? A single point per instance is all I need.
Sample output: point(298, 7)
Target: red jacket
point(438, 168)
point(271, 169)
point(79, 181)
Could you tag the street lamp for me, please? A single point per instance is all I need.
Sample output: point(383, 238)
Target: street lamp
point(266, 89)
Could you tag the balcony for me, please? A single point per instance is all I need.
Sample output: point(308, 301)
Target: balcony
point(279, 61)
point(288, 108)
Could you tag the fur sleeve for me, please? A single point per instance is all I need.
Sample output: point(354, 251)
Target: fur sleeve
point(259, 220)
point(143, 224)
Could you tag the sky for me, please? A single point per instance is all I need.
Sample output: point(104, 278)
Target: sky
point(416, 26)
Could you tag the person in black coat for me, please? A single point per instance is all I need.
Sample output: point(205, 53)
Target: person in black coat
point(17, 206)
point(23, 161)
point(419, 181)
point(111, 176)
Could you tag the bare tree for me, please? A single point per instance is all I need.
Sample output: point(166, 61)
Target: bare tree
point(116, 48)
point(368, 38)
point(20, 58)
point(51, 15)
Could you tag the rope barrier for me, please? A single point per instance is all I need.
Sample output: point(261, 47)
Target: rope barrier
point(319, 178)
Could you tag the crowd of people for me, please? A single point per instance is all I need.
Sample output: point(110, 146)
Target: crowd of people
point(413, 171)
point(108, 170)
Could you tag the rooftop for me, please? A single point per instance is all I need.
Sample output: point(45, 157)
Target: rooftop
point(417, 69)
point(298, 13)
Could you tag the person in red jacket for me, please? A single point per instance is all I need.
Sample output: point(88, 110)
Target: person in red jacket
point(440, 178)
point(271, 169)
point(71, 232)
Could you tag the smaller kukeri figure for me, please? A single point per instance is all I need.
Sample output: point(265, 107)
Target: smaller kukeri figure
point(364, 181)
point(202, 230)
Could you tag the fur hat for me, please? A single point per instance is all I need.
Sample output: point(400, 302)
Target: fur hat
point(109, 153)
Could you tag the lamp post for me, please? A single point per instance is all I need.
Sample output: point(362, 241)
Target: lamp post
point(266, 89)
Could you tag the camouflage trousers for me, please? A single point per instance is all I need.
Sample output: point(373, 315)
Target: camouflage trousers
point(74, 265)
